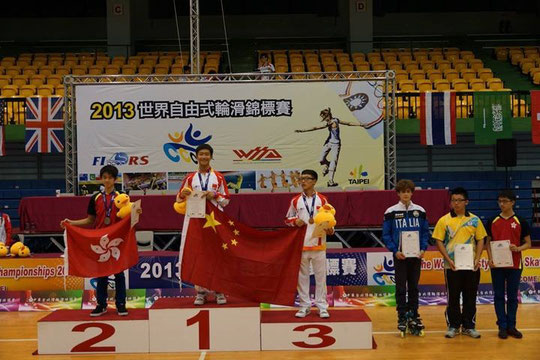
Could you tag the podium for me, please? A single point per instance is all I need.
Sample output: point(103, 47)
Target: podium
point(75, 332)
point(345, 329)
point(176, 325)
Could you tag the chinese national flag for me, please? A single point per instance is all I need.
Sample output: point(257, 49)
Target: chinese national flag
point(229, 257)
point(94, 253)
point(535, 116)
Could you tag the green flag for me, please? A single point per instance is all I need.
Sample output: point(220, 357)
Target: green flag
point(492, 115)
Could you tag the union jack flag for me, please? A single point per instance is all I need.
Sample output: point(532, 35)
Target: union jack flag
point(44, 124)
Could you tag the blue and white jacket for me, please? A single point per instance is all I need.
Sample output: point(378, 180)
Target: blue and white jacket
point(397, 218)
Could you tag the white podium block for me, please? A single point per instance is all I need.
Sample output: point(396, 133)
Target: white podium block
point(75, 332)
point(345, 329)
point(177, 325)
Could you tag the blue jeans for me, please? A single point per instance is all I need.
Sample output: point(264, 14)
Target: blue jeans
point(506, 281)
point(119, 284)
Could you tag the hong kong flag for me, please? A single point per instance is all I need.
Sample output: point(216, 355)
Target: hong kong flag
point(94, 253)
point(224, 255)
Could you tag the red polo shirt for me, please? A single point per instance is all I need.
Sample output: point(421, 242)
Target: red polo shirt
point(98, 208)
point(514, 229)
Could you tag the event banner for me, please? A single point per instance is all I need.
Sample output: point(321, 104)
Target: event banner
point(263, 134)
point(355, 277)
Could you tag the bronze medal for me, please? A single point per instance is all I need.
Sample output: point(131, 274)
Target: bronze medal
point(311, 221)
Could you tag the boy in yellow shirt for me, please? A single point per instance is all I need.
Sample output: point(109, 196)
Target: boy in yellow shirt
point(453, 229)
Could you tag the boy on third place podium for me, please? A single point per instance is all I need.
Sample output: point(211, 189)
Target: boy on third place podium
point(301, 212)
point(214, 185)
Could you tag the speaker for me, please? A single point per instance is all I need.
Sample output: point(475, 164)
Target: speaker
point(506, 152)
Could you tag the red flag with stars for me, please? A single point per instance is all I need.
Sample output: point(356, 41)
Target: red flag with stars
point(226, 256)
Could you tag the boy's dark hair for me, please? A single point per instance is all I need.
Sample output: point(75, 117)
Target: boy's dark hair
point(212, 71)
point(187, 68)
point(460, 191)
point(405, 184)
point(110, 170)
point(204, 147)
point(508, 194)
point(313, 173)
point(265, 55)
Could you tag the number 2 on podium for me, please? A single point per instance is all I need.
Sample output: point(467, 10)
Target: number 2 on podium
point(203, 318)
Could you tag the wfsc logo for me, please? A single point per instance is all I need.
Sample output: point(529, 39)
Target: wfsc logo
point(183, 145)
point(119, 159)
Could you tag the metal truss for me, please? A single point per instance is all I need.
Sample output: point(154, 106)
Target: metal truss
point(194, 36)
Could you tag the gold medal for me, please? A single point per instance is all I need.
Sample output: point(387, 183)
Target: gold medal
point(311, 221)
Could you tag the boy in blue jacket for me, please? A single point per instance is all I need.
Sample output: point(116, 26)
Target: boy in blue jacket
point(411, 219)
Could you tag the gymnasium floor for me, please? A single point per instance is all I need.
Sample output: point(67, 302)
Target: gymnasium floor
point(19, 332)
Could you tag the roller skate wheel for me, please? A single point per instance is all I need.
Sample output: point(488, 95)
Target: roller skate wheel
point(422, 333)
point(402, 334)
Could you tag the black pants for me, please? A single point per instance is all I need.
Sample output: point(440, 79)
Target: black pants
point(407, 276)
point(461, 283)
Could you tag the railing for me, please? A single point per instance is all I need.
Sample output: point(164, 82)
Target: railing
point(14, 111)
point(409, 103)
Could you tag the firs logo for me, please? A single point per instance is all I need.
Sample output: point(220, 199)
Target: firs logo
point(258, 154)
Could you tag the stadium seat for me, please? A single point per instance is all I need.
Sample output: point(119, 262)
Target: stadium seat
point(476, 64)
point(424, 85)
point(485, 74)
point(526, 65)
point(410, 66)
point(4, 80)
point(477, 84)
point(406, 86)
point(10, 90)
point(27, 90)
point(298, 68)
point(134, 60)
point(330, 67)
point(112, 69)
point(177, 69)
point(378, 66)
point(59, 90)
point(459, 64)
point(19, 80)
point(283, 68)
point(8, 61)
point(434, 74)
point(451, 74)
point(427, 65)
point(416, 75)
point(401, 75)
point(358, 56)
point(13, 70)
point(79, 69)
point(118, 60)
point(442, 85)
point(468, 74)
point(37, 80)
point(495, 84)
point(459, 85)
point(30, 70)
point(63, 70)
point(363, 66)
point(127, 69)
point(443, 65)
point(54, 79)
point(516, 58)
point(45, 90)
point(96, 70)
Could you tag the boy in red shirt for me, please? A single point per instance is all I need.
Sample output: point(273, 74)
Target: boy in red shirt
point(102, 213)
point(507, 226)
point(213, 183)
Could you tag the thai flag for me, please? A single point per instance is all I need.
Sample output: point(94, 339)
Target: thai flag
point(438, 118)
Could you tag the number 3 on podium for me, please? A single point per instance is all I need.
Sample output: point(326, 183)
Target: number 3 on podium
point(322, 334)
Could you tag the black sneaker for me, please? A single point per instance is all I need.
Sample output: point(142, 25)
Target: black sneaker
point(503, 334)
point(514, 333)
point(121, 309)
point(98, 311)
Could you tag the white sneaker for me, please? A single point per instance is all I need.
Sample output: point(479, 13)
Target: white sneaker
point(221, 299)
point(200, 299)
point(323, 313)
point(302, 313)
